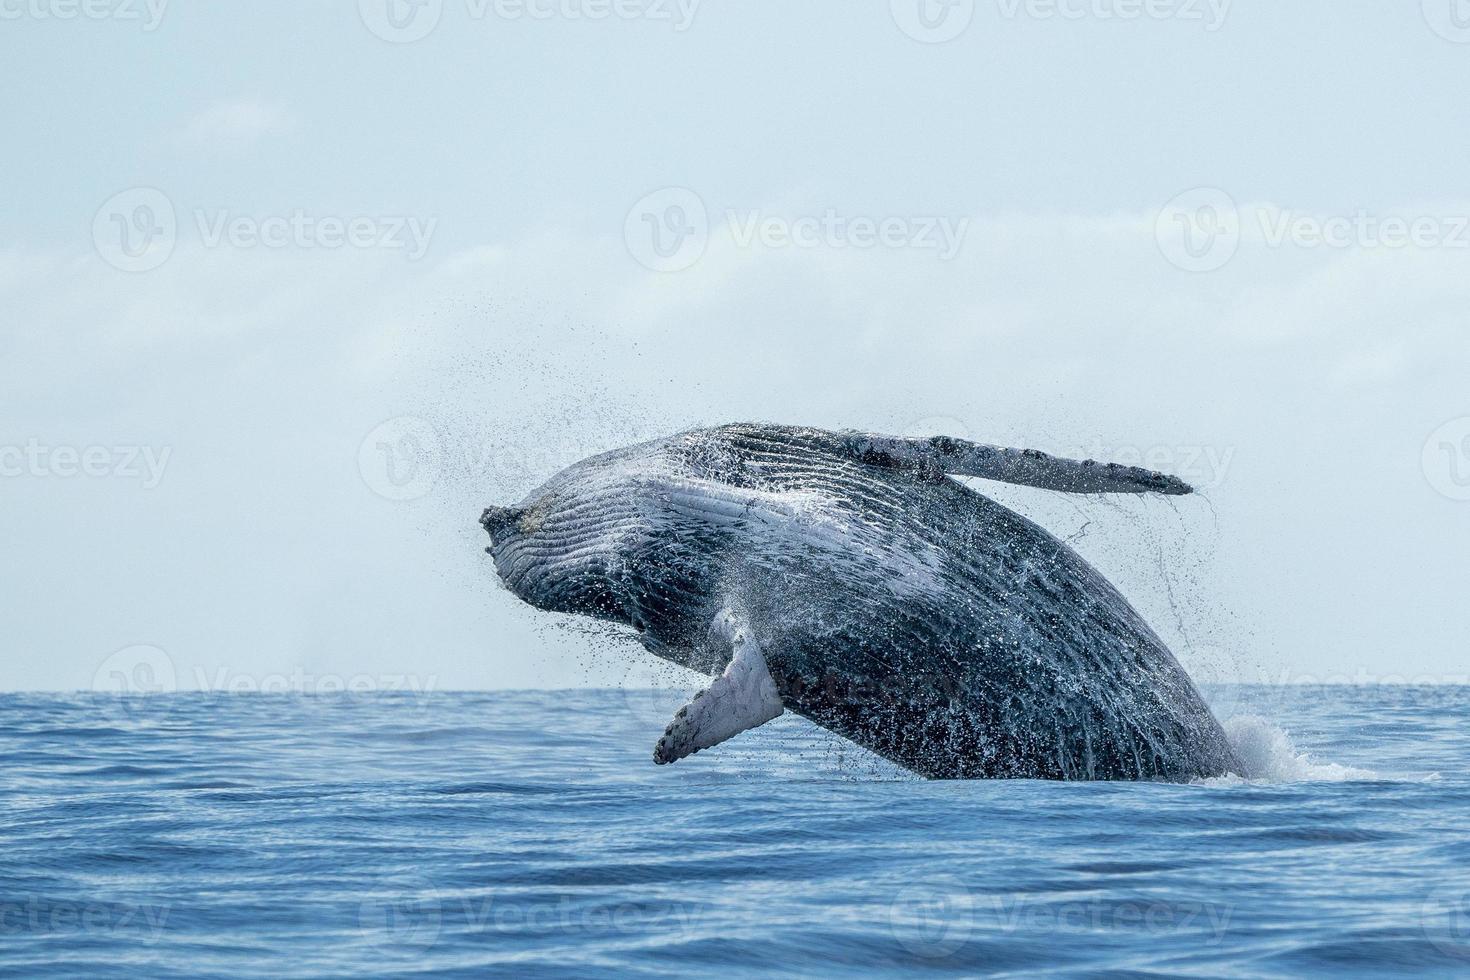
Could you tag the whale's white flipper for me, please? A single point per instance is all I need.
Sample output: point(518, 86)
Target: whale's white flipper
point(743, 697)
point(1027, 467)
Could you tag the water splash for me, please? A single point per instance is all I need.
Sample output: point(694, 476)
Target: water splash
point(1269, 756)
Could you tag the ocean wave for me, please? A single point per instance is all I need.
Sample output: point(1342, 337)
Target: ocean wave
point(543, 841)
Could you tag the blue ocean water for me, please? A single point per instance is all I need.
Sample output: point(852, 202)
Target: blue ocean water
point(529, 834)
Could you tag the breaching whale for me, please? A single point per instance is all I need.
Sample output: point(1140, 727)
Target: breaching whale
point(850, 578)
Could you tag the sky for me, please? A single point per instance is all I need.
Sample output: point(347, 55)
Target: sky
point(290, 291)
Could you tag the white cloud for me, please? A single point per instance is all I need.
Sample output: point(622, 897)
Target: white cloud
point(263, 371)
point(1377, 365)
point(238, 122)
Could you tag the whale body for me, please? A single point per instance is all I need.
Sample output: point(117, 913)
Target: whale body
point(852, 579)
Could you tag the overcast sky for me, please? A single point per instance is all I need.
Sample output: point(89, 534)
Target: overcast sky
point(289, 291)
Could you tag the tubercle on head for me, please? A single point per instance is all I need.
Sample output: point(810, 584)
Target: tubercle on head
point(499, 520)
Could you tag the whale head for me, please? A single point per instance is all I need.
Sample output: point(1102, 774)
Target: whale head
point(559, 551)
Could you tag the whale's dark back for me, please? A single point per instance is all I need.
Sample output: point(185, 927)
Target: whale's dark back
point(899, 609)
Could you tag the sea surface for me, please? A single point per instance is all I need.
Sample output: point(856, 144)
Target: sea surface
point(529, 834)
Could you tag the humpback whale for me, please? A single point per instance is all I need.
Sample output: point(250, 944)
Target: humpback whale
point(850, 578)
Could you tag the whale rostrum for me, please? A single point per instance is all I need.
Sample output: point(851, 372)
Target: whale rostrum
point(850, 578)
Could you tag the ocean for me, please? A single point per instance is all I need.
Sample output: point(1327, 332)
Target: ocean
point(529, 834)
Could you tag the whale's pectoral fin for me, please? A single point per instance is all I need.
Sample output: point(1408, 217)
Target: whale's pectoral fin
point(743, 697)
point(1027, 467)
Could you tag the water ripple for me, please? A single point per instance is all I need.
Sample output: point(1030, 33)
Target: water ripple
point(463, 835)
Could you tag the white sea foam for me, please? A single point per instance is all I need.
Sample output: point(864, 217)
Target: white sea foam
point(1269, 756)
